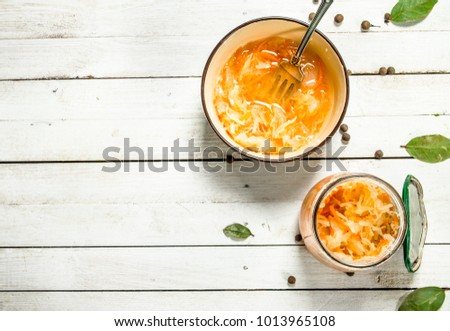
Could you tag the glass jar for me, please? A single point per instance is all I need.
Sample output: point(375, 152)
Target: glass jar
point(309, 227)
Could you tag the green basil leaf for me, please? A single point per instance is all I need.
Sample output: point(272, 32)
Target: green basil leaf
point(431, 149)
point(407, 11)
point(237, 231)
point(426, 298)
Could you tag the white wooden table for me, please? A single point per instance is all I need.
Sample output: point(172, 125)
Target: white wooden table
point(79, 76)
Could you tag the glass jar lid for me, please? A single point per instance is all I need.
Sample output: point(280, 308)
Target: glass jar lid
point(416, 217)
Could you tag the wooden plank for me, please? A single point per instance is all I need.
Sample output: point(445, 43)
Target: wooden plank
point(166, 224)
point(64, 19)
point(80, 140)
point(44, 205)
point(176, 268)
point(164, 98)
point(112, 99)
point(152, 56)
point(210, 300)
point(107, 111)
point(56, 183)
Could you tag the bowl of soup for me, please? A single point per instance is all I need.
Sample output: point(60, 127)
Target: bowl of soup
point(238, 95)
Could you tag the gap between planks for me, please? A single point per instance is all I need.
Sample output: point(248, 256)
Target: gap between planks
point(172, 246)
point(218, 290)
point(234, 159)
point(56, 78)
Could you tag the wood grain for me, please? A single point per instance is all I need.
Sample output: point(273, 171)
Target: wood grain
point(31, 184)
point(166, 224)
point(96, 18)
point(144, 56)
point(44, 205)
point(176, 268)
point(77, 120)
point(179, 98)
point(332, 300)
point(89, 140)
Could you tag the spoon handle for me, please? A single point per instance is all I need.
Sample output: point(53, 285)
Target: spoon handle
point(312, 27)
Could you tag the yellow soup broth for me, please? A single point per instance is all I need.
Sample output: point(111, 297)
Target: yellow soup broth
point(251, 114)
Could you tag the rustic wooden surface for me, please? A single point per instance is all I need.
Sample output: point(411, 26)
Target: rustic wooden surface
point(76, 77)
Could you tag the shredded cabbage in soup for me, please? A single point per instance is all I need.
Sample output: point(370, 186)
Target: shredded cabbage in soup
point(252, 116)
point(357, 221)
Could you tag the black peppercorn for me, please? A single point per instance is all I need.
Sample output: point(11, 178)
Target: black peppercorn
point(387, 18)
point(344, 128)
point(365, 25)
point(311, 16)
point(345, 138)
point(339, 18)
point(291, 280)
point(391, 70)
point(298, 237)
point(379, 154)
point(383, 71)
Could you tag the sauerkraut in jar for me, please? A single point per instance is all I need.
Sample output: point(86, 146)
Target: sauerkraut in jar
point(249, 112)
point(357, 222)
